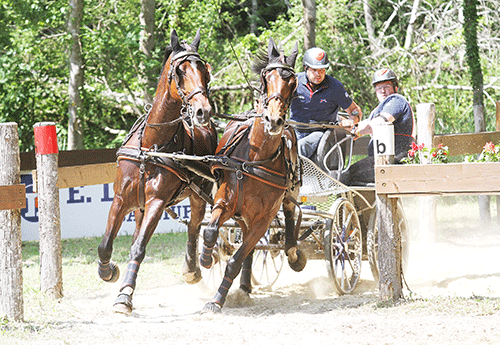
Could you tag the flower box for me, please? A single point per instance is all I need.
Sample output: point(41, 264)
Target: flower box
point(437, 179)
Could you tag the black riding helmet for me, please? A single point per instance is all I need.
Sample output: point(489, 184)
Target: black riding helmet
point(385, 74)
point(316, 58)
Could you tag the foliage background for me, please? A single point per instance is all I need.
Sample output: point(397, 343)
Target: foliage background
point(34, 47)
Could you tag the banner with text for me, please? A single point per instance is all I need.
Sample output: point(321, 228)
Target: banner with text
point(84, 212)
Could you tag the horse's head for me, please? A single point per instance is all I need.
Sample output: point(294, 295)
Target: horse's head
point(278, 86)
point(188, 77)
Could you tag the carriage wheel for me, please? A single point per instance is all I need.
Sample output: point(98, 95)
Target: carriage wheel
point(372, 239)
point(212, 277)
point(267, 264)
point(343, 246)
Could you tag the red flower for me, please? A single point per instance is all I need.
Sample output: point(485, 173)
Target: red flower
point(411, 153)
point(434, 154)
point(414, 146)
point(421, 146)
point(440, 146)
point(489, 147)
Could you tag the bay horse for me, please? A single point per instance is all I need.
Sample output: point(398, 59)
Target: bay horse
point(178, 121)
point(260, 167)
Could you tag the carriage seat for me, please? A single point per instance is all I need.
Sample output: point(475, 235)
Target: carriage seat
point(335, 155)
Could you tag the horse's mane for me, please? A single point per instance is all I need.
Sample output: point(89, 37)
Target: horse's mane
point(262, 60)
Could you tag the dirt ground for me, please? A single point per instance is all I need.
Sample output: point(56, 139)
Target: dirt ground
point(453, 298)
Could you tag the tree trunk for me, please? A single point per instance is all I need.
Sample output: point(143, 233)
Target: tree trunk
point(146, 44)
point(476, 77)
point(309, 23)
point(254, 17)
point(413, 18)
point(75, 133)
point(369, 23)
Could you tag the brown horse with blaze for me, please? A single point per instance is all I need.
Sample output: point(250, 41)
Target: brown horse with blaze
point(179, 121)
point(259, 172)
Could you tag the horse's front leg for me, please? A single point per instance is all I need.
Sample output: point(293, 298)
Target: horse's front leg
point(211, 233)
point(190, 269)
point(152, 214)
point(234, 266)
point(108, 270)
point(297, 260)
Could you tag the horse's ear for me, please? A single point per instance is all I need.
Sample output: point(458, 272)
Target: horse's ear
point(290, 60)
point(272, 51)
point(196, 42)
point(174, 41)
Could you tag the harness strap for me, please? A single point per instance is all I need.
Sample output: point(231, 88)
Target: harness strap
point(257, 172)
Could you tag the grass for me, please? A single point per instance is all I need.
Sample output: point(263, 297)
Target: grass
point(163, 246)
point(161, 267)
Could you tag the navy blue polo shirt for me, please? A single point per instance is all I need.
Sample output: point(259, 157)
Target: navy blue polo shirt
point(404, 123)
point(321, 105)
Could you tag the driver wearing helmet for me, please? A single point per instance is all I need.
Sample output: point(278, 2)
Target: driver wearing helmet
point(393, 108)
point(319, 98)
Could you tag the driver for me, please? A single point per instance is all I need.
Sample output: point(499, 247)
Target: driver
point(393, 108)
point(318, 100)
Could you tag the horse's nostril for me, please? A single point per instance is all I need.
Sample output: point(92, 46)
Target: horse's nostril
point(280, 122)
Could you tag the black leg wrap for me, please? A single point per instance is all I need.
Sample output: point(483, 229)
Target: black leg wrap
point(206, 257)
point(131, 275)
point(191, 248)
point(246, 280)
point(220, 296)
point(108, 272)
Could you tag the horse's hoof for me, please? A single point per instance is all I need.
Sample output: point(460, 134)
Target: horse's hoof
point(109, 272)
point(300, 260)
point(123, 304)
point(212, 308)
point(192, 277)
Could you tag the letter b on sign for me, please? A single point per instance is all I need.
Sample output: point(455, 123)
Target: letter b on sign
point(383, 138)
point(380, 148)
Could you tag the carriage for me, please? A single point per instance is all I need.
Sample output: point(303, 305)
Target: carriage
point(257, 170)
point(338, 225)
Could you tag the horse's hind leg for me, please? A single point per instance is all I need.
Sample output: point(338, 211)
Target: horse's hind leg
point(246, 274)
point(152, 215)
point(296, 258)
point(190, 269)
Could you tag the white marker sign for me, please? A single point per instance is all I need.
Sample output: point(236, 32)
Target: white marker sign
point(383, 139)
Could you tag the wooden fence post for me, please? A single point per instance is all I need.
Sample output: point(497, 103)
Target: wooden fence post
point(48, 207)
point(389, 240)
point(11, 260)
point(426, 116)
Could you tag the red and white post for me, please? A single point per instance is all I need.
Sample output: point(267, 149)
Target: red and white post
point(49, 220)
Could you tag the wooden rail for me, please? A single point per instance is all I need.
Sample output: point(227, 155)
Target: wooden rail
point(441, 179)
point(438, 179)
point(90, 167)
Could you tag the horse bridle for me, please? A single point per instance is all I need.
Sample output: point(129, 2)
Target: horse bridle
point(186, 110)
point(265, 99)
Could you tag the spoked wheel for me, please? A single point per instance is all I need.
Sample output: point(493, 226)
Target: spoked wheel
point(343, 246)
point(372, 239)
point(267, 263)
point(212, 277)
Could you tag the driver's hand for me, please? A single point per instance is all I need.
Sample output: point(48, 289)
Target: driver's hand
point(347, 124)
